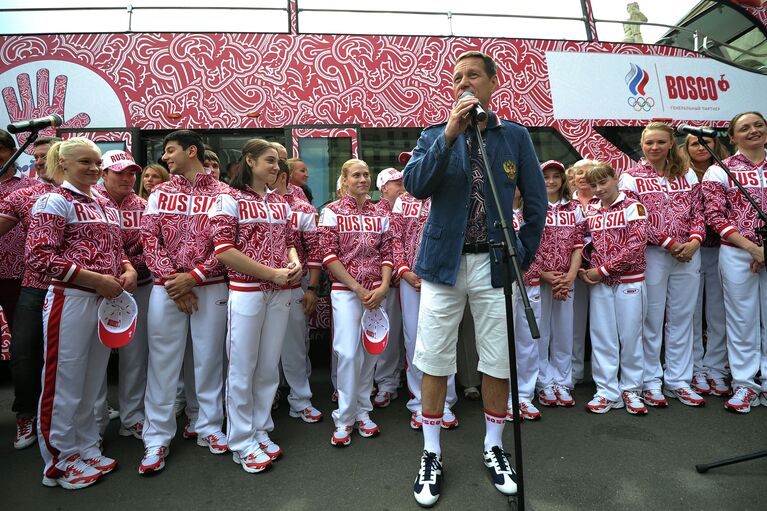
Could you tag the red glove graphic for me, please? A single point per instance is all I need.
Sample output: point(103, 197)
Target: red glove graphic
point(25, 110)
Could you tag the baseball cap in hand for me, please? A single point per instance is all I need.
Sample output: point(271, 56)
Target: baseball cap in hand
point(119, 161)
point(117, 320)
point(375, 330)
point(405, 156)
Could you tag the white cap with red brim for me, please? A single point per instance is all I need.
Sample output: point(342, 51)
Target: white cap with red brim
point(117, 320)
point(375, 330)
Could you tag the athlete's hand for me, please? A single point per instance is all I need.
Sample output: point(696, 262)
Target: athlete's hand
point(294, 276)
point(108, 286)
point(685, 251)
point(281, 276)
point(362, 293)
point(412, 279)
point(309, 302)
point(459, 119)
point(22, 107)
point(179, 284)
point(128, 280)
point(375, 298)
point(187, 303)
point(757, 254)
point(585, 276)
point(551, 277)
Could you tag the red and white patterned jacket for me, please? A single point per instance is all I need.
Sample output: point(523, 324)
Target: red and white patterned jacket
point(175, 229)
point(17, 207)
point(131, 210)
point(303, 219)
point(71, 231)
point(297, 191)
point(12, 242)
point(359, 238)
point(259, 227)
point(408, 218)
point(618, 240)
point(563, 233)
point(727, 209)
point(674, 206)
point(383, 208)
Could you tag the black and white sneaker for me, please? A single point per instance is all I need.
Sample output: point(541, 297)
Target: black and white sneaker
point(503, 476)
point(428, 482)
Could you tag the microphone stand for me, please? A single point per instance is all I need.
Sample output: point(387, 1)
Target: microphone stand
point(31, 138)
point(704, 467)
point(511, 271)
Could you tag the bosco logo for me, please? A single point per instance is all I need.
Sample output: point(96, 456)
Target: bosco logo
point(704, 88)
point(637, 79)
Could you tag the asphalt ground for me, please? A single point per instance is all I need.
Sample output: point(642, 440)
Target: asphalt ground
point(573, 460)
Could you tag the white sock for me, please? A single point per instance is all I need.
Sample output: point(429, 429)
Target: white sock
point(494, 429)
point(431, 427)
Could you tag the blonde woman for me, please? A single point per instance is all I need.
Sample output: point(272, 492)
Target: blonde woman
point(153, 175)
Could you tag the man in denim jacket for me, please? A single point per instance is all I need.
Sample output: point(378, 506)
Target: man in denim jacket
point(455, 262)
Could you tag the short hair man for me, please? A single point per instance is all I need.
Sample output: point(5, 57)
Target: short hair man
point(454, 260)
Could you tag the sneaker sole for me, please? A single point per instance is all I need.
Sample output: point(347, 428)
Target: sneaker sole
point(508, 493)
point(52, 483)
point(449, 425)
point(341, 443)
point(152, 469)
point(683, 401)
point(369, 435)
point(382, 405)
point(606, 409)
point(24, 443)
point(543, 402)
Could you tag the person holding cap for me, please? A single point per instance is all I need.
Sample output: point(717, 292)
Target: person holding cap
point(389, 363)
point(75, 239)
point(356, 246)
point(546, 364)
point(119, 178)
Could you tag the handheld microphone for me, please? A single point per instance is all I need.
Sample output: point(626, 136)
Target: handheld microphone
point(686, 129)
point(35, 124)
point(478, 113)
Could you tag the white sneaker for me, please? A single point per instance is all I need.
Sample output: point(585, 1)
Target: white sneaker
point(216, 442)
point(742, 400)
point(719, 387)
point(416, 420)
point(428, 483)
point(366, 427)
point(763, 398)
point(76, 475)
point(686, 396)
point(309, 414)
point(700, 383)
point(547, 396)
point(449, 420)
point(270, 448)
point(153, 460)
point(112, 413)
point(135, 431)
point(254, 462)
point(25, 432)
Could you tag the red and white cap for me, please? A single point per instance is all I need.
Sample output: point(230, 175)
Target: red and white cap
point(117, 320)
point(375, 330)
point(119, 161)
point(404, 157)
point(552, 164)
point(386, 175)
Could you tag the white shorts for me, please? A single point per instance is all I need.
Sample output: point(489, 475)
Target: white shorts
point(441, 311)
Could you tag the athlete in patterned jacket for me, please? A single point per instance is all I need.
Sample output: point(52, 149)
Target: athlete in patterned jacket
point(741, 257)
point(120, 173)
point(547, 363)
point(75, 239)
point(356, 246)
point(671, 193)
point(615, 262)
point(407, 221)
point(254, 238)
point(27, 346)
point(295, 350)
point(189, 295)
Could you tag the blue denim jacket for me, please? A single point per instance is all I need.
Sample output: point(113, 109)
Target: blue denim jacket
point(444, 174)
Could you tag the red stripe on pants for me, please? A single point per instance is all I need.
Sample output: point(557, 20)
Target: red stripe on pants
point(51, 367)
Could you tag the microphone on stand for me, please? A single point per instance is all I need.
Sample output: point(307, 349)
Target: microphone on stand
point(36, 124)
point(698, 131)
point(478, 114)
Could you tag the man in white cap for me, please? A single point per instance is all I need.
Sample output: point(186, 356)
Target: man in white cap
point(390, 363)
point(119, 177)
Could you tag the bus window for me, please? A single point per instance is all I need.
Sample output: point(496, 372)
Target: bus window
point(551, 145)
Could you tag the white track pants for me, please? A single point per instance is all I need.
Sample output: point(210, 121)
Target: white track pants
point(615, 317)
point(168, 330)
point(355, 365)
point(411, 301)
point(713, 358)
point(672, 290)
point(745, 306)
point(389, 362)
point(257, 322)
point(528, 355)
point(555, 347)
point(75, 364)
point(580, 315)
point(295, 353)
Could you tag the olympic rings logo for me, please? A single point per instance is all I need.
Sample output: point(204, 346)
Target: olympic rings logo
point(640, 103)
